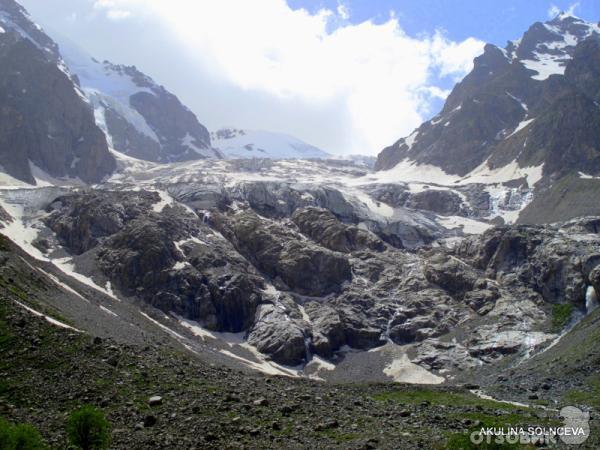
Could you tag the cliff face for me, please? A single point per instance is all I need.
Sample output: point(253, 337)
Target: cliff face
point(44, 119)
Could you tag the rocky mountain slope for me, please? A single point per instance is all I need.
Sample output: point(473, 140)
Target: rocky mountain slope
point(49, 370)
point(529, 108)
point(235, 143)
point(47, 128)
point(503, 288)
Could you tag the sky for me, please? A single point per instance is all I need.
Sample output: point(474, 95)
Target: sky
point(349, 76)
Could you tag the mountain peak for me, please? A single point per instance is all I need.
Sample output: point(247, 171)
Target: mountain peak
point(529, 107)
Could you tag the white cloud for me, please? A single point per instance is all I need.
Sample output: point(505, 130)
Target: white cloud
point(343, 11)
point(553, 11)
point(111, 7)
point(117, 14)
point(572, 8)
point(383, 79)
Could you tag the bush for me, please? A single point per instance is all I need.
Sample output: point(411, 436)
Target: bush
point(26, 437)
point(88, 429)
point(5, 434)
point(20, 437)
point(561, 314)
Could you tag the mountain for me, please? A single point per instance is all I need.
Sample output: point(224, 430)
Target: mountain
point(46, 125)
point(140, 118)
point(236, 143)
point(528, 109)
point(225, 303)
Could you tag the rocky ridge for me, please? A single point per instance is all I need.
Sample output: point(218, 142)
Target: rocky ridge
point(524, 114)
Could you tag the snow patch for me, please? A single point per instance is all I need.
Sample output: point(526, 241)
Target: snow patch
point(484, 174)
point(48, 318)
point(520, 126)
point(468, 226)
point(404, 371)
point(377, 207)
point(188, 141)
point(518, 100)
point(180, 265)
point(63, 285)
point(165, 199)
point(108, 311)
point(588, 177)
point(67, 266)
point(410, 140)
point(545, 65)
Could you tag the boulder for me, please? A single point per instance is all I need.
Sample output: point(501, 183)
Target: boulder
point(273, 334)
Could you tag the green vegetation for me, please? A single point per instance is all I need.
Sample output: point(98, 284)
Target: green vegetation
point(462, 441)
point(88, 429)
point(561, 314)
point(440, 397)
point(588, 397)
point(20, 437)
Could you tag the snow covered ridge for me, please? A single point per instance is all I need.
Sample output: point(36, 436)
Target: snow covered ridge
point(13, 17)
point(236, 143)
point(109, 85)
point(123, 99)
point(555, 42)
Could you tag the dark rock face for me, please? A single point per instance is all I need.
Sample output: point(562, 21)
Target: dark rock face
point(84, 220)
point(528, 254)
point(584, 70)
point(303, 267)
point(438, 201)
point(327, 328)
point(406, 229)
point(127, 139)
point(156, 256)
point(281, 199)
point(441, 202)
point(407, 232)
point(140, 118)
point(17, 18)
point(324, 228)
point(451, 274)
point(178, 129)
point(43, 118)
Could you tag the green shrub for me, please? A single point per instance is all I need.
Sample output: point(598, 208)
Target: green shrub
point(561, 314)
point(5, 434)
point(88, 429)
point(26, 437)
point(20, 437)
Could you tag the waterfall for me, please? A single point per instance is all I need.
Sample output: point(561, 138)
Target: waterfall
point(591, 299)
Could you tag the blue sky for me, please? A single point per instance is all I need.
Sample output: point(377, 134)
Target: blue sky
point(494, 21)
point(348, 76)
